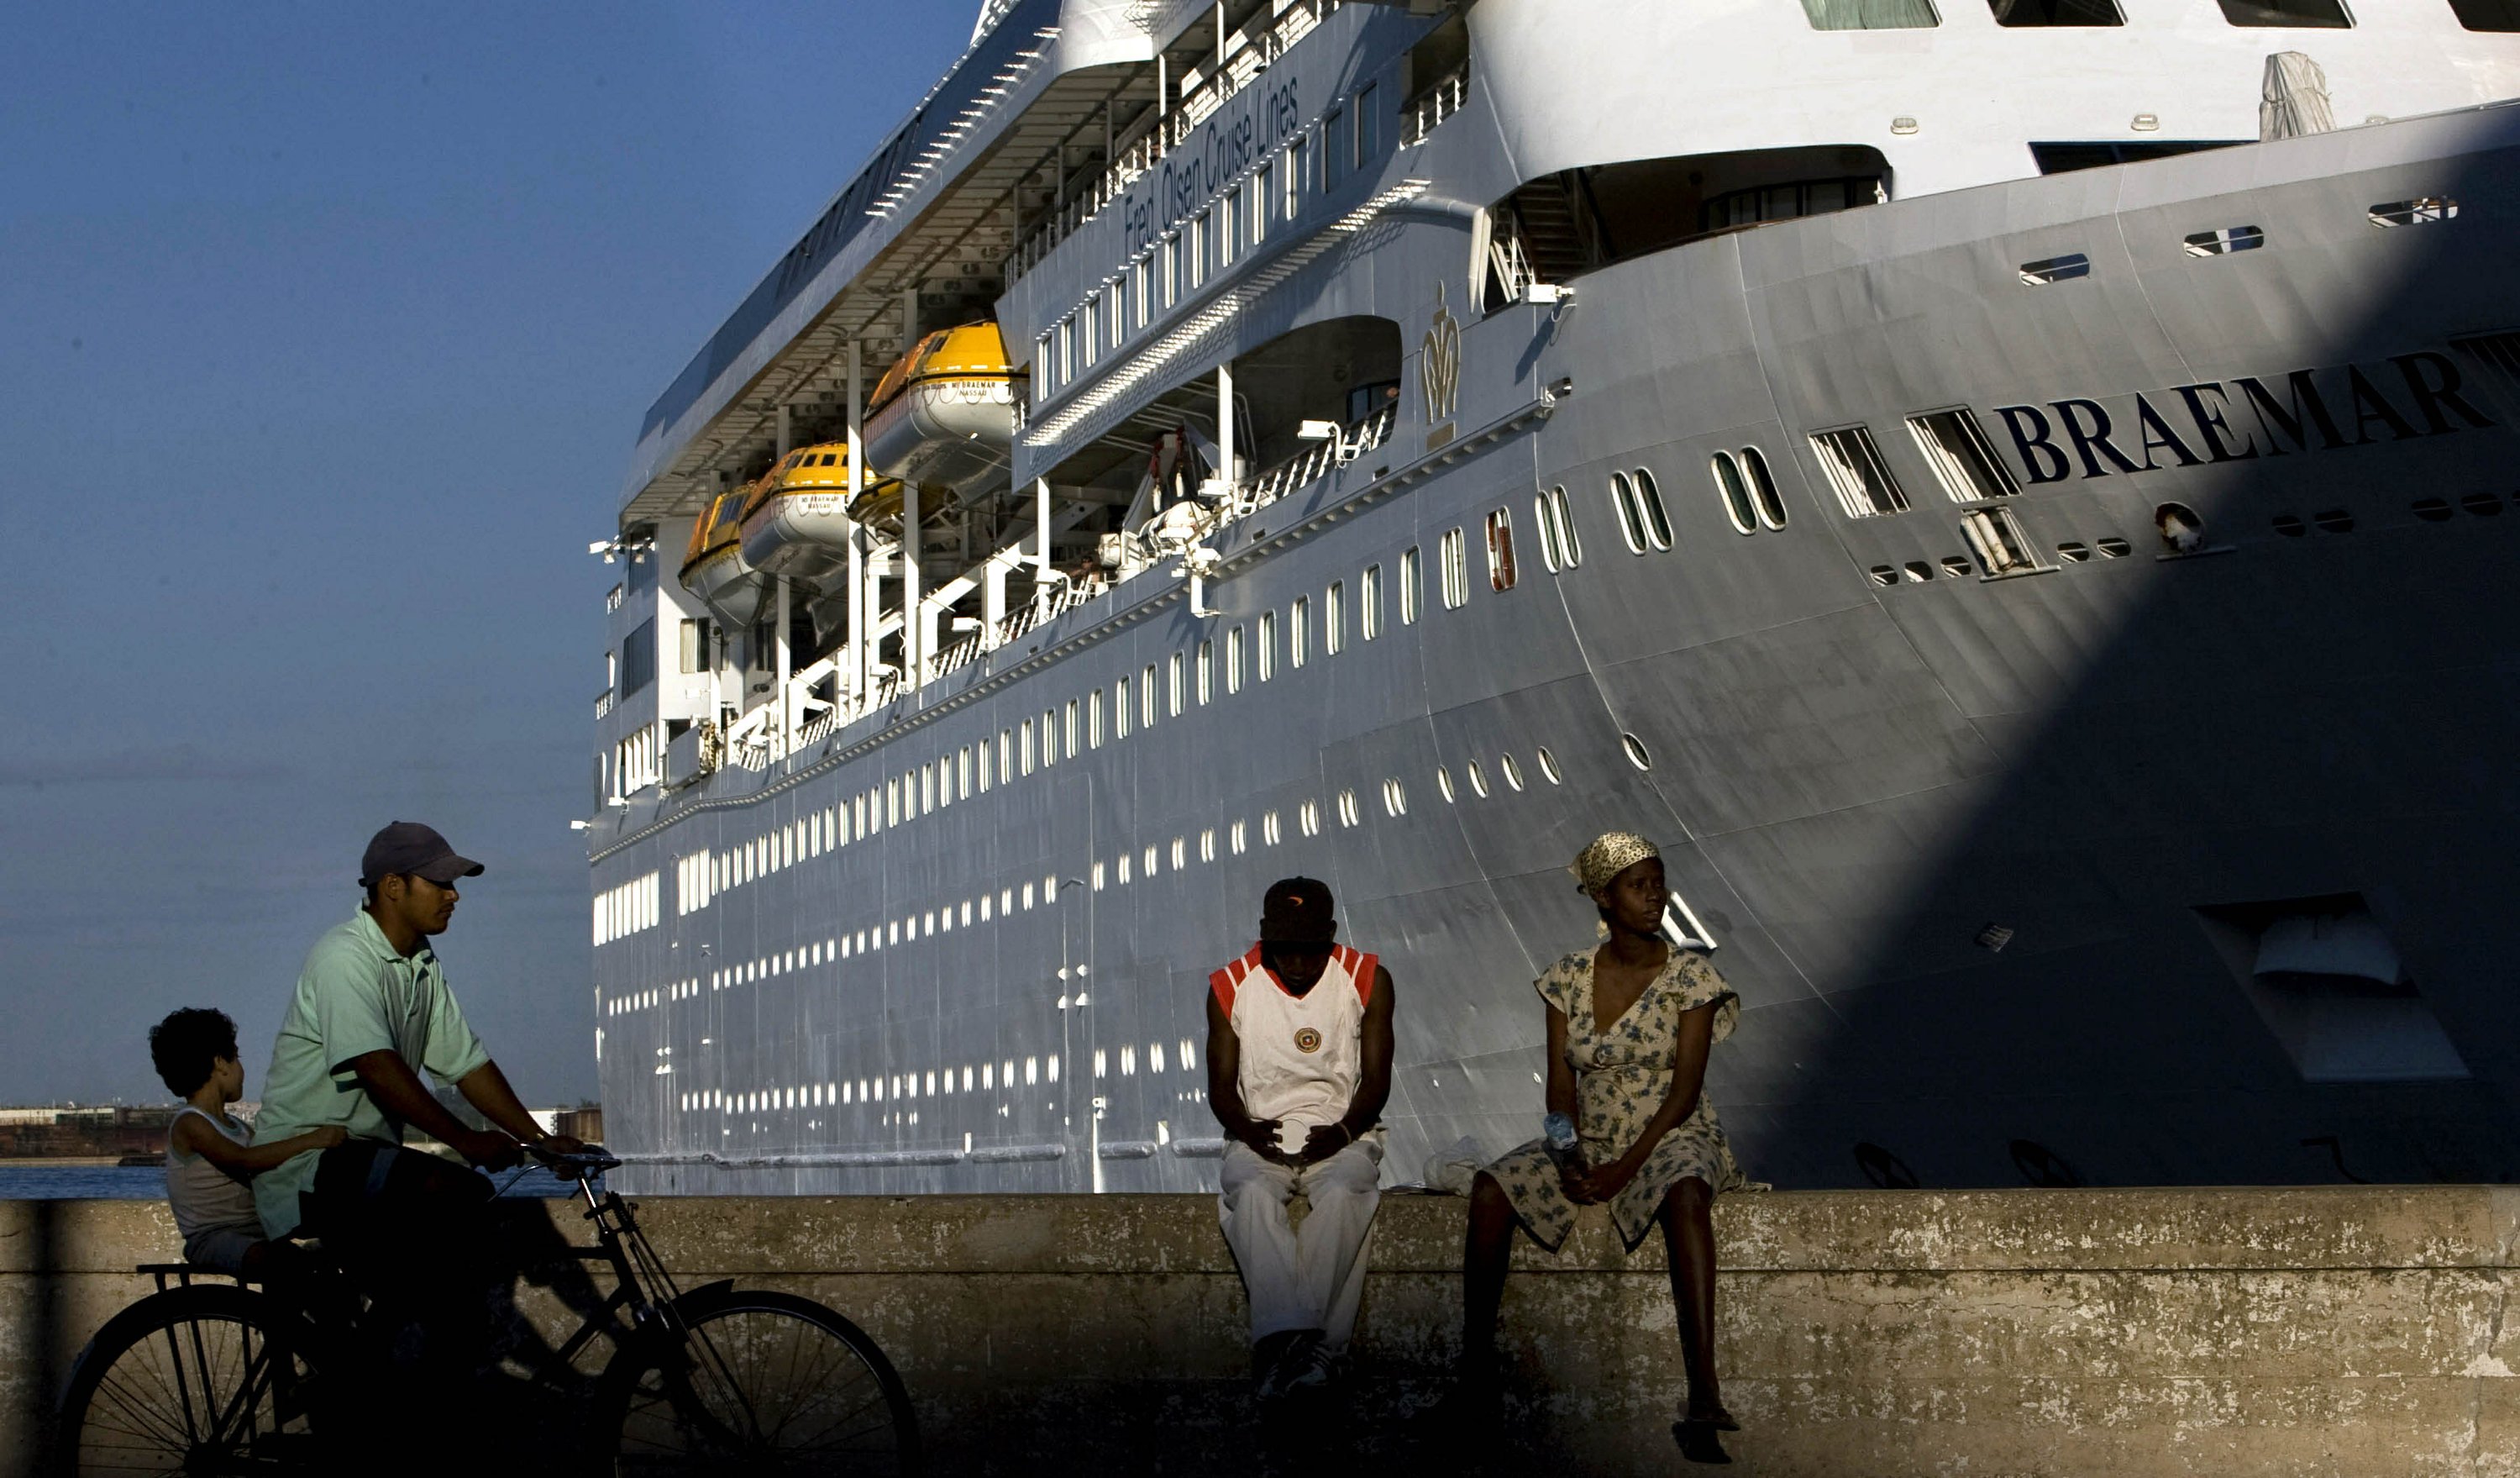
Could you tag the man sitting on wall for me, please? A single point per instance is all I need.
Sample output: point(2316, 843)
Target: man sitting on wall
point(1298, 1066)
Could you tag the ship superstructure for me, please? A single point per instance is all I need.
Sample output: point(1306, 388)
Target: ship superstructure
point(2009, 494)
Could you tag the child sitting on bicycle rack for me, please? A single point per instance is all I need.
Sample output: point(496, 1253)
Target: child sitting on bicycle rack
point(210, 1155)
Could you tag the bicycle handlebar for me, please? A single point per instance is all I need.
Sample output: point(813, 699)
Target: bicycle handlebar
point(574, 1167)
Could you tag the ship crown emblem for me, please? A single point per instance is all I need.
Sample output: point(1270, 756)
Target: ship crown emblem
point(1440, 367)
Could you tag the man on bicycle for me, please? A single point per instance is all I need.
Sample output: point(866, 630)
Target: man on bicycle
point(372, 1011)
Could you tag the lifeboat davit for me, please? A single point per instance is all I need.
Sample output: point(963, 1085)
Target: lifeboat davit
point(945, 412)
point(713, 567)
point(796, 518)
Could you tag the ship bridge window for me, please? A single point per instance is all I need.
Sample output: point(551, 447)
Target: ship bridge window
point(1956, 447)
point(1500, 527)
point(1871, 15)
point(2065, 158)
point(2330, 984)
point(2487, 15)
point(1856, 470)
point(2056, 13)
point(2325, 14)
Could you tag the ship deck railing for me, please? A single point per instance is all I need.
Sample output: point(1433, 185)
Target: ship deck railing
point(1261, 45)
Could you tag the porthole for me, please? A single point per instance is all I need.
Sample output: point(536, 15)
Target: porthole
point(1347, 809)
point(2073, 553)
point(1237, 839)
point(1657, 518)
point(1444, 783)
point(1623, 501)
point(2292, 527)
point(1181, 853)
point(2484, 505)
point(1884, 575)
point(1478, 779)
point(1918, 571)
point(1549, 766)
point(2432, 510)
point(2112, 548)
point(1269, 829)
point(1309, 818)
point(1512, 770)
point(1208, 845)
point(1395, 800)
point(1736, 493)
point(1771, 504)
point(1635, 747)
point(2333, 521)
point(1955, 565)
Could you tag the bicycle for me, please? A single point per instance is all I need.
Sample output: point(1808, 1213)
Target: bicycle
point(214, 1378)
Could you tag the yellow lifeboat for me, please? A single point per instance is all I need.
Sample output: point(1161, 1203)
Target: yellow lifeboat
point(713, 567)
point(796, 518)
point(945, 412)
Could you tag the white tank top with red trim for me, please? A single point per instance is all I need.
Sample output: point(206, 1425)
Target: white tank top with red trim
point(1301, 1055)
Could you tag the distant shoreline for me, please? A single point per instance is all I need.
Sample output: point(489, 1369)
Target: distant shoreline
point(36, 1161)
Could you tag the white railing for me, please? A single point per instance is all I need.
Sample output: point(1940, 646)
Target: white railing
point(1261, 46)
point(1435, 105)
point(1315, 462)
point(604, 702)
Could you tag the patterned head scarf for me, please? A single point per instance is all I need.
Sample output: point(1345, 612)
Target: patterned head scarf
point(1612, 852)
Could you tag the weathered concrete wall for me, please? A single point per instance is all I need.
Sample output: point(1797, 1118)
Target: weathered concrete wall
point(2347, 1334)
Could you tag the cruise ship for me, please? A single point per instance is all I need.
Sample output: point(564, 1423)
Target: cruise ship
point(2017, 497)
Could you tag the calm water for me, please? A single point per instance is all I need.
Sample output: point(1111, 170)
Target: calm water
point(114, 1183)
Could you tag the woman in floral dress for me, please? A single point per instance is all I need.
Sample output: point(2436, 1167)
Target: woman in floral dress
point(1630, 1023)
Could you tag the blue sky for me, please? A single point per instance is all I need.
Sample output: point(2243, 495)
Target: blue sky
point(324, 333)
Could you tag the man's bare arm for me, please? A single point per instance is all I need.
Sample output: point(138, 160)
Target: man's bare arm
point(1225, 1086)
point(392, 1082)
point(1373, 1078)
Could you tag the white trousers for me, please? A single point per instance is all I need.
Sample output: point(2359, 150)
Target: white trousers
point(1312, 1278)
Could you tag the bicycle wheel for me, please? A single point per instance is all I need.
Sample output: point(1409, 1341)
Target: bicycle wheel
point(757, 1383)
point(196, 1380)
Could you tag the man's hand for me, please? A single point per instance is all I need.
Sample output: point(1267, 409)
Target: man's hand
point(1325, 1140)
point(1260, 1136)
point(487, 1148)
point(561, 1144)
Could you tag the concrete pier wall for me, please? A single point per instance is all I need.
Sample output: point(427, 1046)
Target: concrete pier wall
point(2355, 1332)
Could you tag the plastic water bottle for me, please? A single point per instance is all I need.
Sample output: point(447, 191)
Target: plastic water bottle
point(1557, 1132)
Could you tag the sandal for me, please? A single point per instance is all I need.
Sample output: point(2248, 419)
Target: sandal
point(1698, 1442)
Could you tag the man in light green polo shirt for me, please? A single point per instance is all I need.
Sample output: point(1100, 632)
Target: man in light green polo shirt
point(372, 1012)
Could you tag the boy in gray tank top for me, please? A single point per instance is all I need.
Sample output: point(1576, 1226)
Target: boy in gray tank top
point(210, 1155)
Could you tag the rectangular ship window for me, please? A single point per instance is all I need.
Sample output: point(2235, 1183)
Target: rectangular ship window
point(1501, 550)
point(1198, 249)
point(1369, 599)
point(1870, 15)
point(1234, 661)
point(1961, 456)
point(1264, 196)
point(2487, 15)
point(1295, 153)
point(1206, 671)
point(1335, 617)
point(1147, 698)
point(2308, 15)
point(1997, 540)
point(1299, 630)
point(1413, 586)
point(1173, 685)
point(2056, 13)
point(1071, 729)
point(1094, 719)
point(1454, 552)
point(1333, 162)
point(1230, 238)
point(1120, 708)
point(1268, 645)
point(1854, 467)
